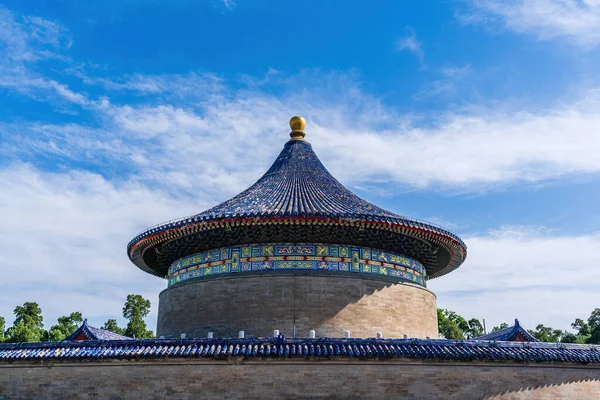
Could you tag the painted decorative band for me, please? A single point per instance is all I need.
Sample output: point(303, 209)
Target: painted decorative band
point(296, 256)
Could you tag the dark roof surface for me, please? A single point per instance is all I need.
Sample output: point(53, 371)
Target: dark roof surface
point(512, 333)
point(92, 333)
point(299, 191)
point(282, 348)
point(298, 184)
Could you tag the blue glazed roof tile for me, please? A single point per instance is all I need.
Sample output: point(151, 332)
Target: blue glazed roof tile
point(297, 185)
point(509, 334)
point(323, 348)
point(92, 333)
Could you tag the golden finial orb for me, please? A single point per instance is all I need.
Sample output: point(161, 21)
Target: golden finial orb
point(297, 124)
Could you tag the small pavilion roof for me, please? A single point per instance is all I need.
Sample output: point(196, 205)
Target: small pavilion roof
point(297, 200)
point(514, 333)
point(86, 332)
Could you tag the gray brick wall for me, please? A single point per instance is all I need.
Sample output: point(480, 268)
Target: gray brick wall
point(329, 305)
point(193, 379)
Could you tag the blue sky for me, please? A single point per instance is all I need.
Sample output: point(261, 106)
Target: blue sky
point(479, 115)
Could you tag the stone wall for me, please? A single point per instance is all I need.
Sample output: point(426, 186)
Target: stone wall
point(190, 379)
point(328, 304)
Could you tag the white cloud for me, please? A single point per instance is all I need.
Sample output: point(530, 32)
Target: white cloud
point(474, 148)
point(188, 116)
point(229, 4)
point(448, 85)
point(410, 43)
point(23, 43)
point(468, 150)
point(192, 85)
point(41, 88)
point(523, 273)
point(64, 235)
point(577, 21)
point(30, 39)
point(192, 140)
point(63, 241)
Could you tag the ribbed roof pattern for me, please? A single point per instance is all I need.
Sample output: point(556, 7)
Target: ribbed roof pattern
point(509, 334)
point(297, 184)
point(296, 188)
point(284, 348)
point(95, 333)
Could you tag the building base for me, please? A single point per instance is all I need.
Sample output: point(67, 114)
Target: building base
point(296, 304)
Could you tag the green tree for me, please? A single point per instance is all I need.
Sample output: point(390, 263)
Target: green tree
point(587, 331)
point(546, 334)
point(28, 325)
point(569, 337)
point(581, 326)
point(2, 329)
point(503, 325)
point(593, 323)
point(582, 335)
point(65, 327)
point(475, 328)
point(448, 326)
point(111, 325)
point(451, 325)
point(135, 310)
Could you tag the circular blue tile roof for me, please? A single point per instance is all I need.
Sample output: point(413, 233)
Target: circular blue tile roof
point(297, 184)
point(297, 188)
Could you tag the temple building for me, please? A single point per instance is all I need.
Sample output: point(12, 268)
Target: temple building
point(298, 288)
point(296, 252)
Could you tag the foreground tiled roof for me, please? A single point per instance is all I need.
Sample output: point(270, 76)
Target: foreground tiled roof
point(297, 200)
point(86, 332)
point(512, 333)
point(283, 348)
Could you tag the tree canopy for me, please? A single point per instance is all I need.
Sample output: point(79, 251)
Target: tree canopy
point(586, 331)
point(2, 329)
point(111, 325)
point(135, 310)
point(453, 326)
point(28, 325)
point(65, 327)
point(503, 325)
point(547, 334)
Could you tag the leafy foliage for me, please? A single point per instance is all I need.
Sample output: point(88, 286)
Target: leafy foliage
point(111, 325)
point(593, 324)
point(29, 327)
point(448, 326)
point(569, 337)
point(581, 326)
point(2, 329)
point(547, 334)
point(29, 324)
point(135, 310)
point(587, 332)
point(503, 325)
point(65, 327)
point(475, 328)
point(453, 326)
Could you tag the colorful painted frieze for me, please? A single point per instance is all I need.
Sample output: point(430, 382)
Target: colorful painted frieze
point(299, 257)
